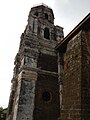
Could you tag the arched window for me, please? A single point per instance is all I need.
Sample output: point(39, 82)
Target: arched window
point(36, 13)
point(46, 33)
point(46, 16)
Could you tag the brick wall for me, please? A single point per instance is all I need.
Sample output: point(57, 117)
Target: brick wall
point(71, 94)
point(85, 75)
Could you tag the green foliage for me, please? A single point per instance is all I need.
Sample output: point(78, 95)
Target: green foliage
point(3, 113)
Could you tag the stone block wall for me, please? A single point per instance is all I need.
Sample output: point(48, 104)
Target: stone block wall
point(71, 93)
point(85, 89)
point(47, 89)
point(26, 100)
point(36, 94)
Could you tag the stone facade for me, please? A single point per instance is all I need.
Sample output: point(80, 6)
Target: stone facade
point(71, 93)
point(74, 73)
point(35, 88)
point(49, 83)
point(85, 83)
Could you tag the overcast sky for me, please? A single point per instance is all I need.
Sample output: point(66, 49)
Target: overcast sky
point(13, 19)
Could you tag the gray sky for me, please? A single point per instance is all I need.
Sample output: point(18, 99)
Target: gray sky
point(13, 19)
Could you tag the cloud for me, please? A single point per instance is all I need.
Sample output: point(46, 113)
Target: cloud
point(69, 13)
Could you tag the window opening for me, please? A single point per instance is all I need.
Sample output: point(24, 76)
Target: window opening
point(36, 13)
point(46, 33)
point(46, 16)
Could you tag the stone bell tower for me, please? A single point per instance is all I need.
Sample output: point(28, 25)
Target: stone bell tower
point(35, 86)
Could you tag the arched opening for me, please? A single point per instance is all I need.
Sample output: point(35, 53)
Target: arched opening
point(36, 13)
point(46, 16)
point(46, 33)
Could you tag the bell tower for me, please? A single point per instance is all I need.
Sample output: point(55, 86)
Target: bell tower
point(35, 86)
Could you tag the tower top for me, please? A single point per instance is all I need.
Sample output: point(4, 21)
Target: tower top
point(41, 9)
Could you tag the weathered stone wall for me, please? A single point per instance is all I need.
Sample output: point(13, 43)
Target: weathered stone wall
point(46, 107)
point(85, 84)
point(47, 89)
point(26, 100)
point(71, 93)
point(36, 68)
point(16, 99)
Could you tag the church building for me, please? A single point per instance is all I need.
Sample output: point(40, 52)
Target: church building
point(51, 79)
